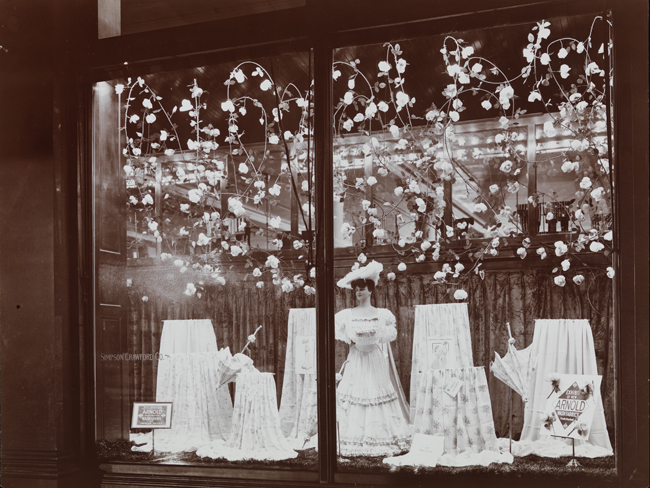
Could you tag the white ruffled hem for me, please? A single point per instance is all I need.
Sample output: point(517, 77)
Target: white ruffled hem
point(453, 460)
point(178, 444)
point(219, 449)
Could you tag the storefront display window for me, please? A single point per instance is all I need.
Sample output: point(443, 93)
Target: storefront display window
point(205, 255)
point(453, 156)
point(472, 234)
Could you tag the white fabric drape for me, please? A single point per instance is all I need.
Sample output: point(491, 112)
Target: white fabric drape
point(180, 336)
point(255, 430)
point(188, 376)
point(465, 419)
point(455, 404)
point(298, 408)
point(564, 347)
point(441, 339)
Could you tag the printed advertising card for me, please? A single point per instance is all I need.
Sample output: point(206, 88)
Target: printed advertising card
point(570, 405)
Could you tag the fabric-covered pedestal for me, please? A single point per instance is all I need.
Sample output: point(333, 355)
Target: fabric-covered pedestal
point(441, 339)
point(188, 376)
point(465, 419)
point(563, 347)
point(455, 404)
point(298, 405)
point(256, 432)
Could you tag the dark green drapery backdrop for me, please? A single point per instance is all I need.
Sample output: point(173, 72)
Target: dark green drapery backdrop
point(517, 297)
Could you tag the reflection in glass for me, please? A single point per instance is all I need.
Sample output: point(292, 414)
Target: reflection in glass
point(207, 178)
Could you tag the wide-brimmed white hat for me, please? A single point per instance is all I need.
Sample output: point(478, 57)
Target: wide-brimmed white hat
point(369, 272)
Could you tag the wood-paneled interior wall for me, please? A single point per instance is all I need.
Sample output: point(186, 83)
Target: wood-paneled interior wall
point(517, 297)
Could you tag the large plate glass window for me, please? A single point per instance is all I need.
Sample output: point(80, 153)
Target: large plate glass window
point(473, 231)
point(203, 189)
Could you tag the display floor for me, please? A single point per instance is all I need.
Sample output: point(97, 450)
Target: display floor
point(602, 471)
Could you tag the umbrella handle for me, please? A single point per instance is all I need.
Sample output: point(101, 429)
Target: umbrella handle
point(509, 331)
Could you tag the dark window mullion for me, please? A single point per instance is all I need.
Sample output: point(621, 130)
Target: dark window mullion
point(325, 300)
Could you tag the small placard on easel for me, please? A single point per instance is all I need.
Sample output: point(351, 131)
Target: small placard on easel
point(429, 447)
point(570, 407)
point(152, 415)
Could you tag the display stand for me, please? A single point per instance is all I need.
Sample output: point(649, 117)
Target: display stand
point(151, 416)
point(564, 347)
point(574, 462)
point(188, 376)
point(455, 403)
point(441, 340)
point(510, 422)
point(449, 396)
point(256, 432)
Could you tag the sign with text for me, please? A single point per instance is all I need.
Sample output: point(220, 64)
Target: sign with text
point(453, 386)
point(570, 405)
point(154, 415)
point(429, 447)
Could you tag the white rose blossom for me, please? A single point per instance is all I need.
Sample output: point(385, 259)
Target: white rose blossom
point(506, 166)
point(272, 262)
point(480, 207)
point(578, 279)
point(460, 294)
point(596, 246)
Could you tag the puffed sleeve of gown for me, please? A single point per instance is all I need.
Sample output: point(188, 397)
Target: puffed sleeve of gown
point(389, 332)
point(340, 334)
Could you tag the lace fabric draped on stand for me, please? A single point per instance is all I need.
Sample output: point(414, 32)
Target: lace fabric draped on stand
point(441, 339)
point(298, 405)
point(255, 430)
point(449, 396)
point(371, 410)
point(188, 377)
point(564, 347)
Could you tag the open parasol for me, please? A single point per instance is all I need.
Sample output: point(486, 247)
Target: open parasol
point(231, 366)
point(514, 368)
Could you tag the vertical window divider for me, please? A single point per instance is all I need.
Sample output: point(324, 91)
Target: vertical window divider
point(325, 299)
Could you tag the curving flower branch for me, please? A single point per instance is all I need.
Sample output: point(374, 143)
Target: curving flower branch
point(425, 155)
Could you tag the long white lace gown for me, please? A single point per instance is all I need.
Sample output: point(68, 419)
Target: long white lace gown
point(371, 420)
